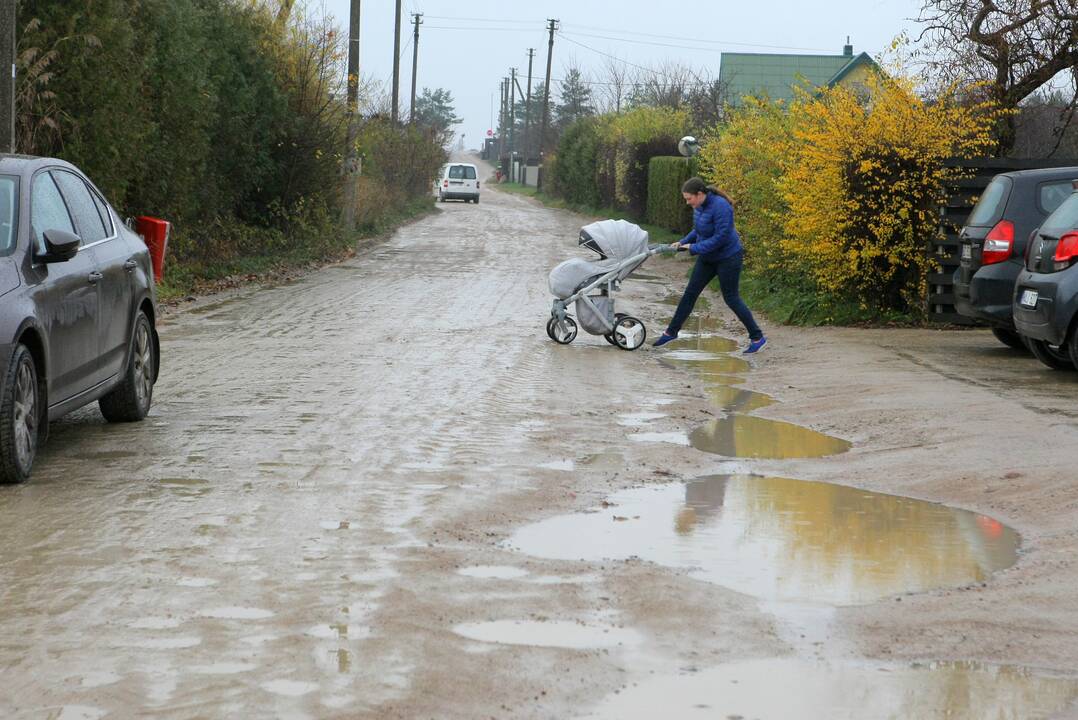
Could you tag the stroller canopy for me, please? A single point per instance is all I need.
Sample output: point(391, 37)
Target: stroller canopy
point(615, 239)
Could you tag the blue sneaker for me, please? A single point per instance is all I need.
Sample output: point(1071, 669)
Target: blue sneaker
point(754, 346)
point(663, 339)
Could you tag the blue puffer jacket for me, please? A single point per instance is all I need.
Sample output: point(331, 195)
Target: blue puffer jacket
point(713, 236)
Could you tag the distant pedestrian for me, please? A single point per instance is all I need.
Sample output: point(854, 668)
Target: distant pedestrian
point(717, 247)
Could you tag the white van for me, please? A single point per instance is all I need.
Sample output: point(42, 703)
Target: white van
point(459, 181)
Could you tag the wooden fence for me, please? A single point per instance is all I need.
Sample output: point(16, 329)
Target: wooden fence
point(962, 195)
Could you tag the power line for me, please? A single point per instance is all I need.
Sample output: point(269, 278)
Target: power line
point(683, 46)
point(681, 39)
point(487, 19)
point(483, 29)
point(613, 57)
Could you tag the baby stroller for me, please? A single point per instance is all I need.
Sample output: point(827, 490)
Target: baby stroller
point(622, 248)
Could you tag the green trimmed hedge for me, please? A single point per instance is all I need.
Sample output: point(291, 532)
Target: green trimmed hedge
point(665, 206)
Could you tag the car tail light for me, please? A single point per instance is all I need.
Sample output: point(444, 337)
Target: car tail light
point(1066, 251)
point(999, 243)
point(476, 184)
point(445, 183)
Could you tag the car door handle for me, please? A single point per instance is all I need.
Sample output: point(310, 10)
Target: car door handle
point(94, 277)
point(130, 265)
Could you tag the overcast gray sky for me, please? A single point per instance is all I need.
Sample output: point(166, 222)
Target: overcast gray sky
point(467, 46)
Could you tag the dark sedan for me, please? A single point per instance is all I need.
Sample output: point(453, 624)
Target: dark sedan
point(993, 242)
point(77, 308)
point(1046, 293)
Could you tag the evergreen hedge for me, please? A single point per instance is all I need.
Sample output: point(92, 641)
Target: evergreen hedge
point(666, 208)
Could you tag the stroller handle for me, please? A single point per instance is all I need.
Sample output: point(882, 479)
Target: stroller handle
point(656, 248)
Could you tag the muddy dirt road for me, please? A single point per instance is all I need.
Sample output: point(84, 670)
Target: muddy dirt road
point(383, 492)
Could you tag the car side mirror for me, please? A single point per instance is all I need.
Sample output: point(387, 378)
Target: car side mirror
point(60, 246)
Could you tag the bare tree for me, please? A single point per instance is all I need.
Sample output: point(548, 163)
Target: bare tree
point(664, 86)
point(1014, 47)
point(613, 81)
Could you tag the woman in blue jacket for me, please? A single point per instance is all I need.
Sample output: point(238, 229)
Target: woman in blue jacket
point(717, 247)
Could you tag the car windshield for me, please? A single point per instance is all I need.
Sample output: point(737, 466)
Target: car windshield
point(1063, 220)
point(9, 194)
point(989, 208)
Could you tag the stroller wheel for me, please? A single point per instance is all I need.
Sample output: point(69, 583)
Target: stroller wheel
point(610, 337)
point(562, 333)
point(629, 333)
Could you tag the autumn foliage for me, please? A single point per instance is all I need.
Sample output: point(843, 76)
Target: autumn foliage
point(840, 190)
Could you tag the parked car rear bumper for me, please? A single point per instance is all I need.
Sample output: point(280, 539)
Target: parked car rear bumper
point(989, 295)
point(1057, 299)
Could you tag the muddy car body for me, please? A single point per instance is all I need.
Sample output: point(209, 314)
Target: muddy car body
point(77, 307)
point(1046, 292)
point(993, 241)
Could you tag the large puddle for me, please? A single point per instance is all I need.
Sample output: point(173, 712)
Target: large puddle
point(784, 689)
point(784, 540)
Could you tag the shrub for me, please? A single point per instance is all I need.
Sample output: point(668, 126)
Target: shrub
point(864, 184)
point(747, 159)
point(666, 207)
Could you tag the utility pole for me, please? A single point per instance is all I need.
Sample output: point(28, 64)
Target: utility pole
point(505, 116)
point(415, 58)
point(552, 26)
point(351, 163)
point(7, 77)
point(512, 122)
point(528, 114)
point(396, 64)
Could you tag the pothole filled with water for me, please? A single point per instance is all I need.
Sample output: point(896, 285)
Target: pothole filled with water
point(782, 689)
point(784, 540)
point(748, 436)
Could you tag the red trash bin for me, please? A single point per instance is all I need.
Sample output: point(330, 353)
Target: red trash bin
point(154, 232)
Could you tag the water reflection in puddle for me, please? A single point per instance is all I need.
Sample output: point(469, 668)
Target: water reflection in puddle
point(787, 540)
point(852, 691)
point(559, 634)
point(747, 436)
point(731, 399)
point(706, 363)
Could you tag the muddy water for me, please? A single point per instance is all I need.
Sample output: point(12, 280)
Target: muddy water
point(748, 436)
point(784, 540)
point(783, 689)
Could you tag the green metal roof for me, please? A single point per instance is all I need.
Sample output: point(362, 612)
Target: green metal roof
point(776, 75)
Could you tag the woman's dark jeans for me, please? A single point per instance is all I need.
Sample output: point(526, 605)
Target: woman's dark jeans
point(728, 271)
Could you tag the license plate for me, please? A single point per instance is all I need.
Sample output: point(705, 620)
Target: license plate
point(1029, 298)
point(967, 252)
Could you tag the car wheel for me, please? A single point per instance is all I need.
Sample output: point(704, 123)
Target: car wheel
point(1009, 338)
point(441, 198)
point(20, 414)
point(131, 400)
point(1054, 356)
point(476, 201)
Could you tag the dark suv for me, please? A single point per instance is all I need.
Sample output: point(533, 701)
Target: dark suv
point(1046, 292)
point(994, 239)
point(77, 308)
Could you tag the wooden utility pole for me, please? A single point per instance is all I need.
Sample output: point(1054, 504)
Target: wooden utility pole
point(351, 163)
point(416, 20)
point(7, 76)
point(528, 114)
point(512, 122)
point(552, 26)
point(394, 110)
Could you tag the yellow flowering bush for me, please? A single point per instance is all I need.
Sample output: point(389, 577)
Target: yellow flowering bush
point(864, 183)
point(839, 192)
